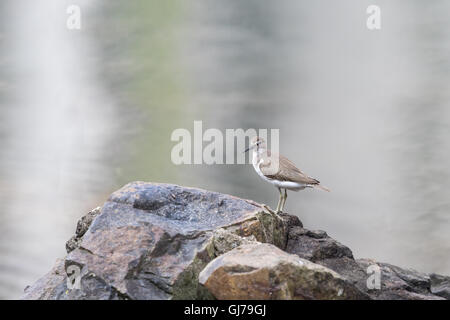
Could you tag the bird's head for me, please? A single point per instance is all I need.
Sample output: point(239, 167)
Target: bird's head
point(257, 143)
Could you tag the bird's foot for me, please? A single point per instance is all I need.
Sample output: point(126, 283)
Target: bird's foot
point(265, 206)
point(275, 213)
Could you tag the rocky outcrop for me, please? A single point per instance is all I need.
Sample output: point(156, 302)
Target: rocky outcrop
point(440, 285)
point(162, 241)
point(394, 282)
point(150, 241)
point(263, 271)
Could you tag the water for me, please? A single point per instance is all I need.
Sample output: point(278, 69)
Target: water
point(84, 112)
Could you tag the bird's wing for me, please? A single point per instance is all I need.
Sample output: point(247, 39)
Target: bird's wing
point(287, 171)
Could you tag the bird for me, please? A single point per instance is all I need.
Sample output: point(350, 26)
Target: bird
point(279, 171)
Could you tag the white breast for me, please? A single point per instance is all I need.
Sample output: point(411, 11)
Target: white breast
point(295, 186)
point(256, 163)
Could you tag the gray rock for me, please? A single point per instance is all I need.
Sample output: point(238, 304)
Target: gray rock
point(46, 288)
point(315, 245)
point(440, 285)
point(396, 283)
point(263, 271)
point(82, 226)
point(225, 241)
point(150, 241)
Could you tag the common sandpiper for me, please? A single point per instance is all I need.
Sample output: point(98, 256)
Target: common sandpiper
point(279, 171)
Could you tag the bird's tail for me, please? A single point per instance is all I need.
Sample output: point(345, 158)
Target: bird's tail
point(318, 186)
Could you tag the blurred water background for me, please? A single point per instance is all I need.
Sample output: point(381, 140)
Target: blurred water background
point(367, 112)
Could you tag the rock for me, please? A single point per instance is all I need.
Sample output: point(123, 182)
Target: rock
point(396, 283)
point(225, 241)
point(46, 287)
point(440, 285)
point(318, 247)
point(82, 226)
point(263, 271)
point(315, 245)
point(150, 241)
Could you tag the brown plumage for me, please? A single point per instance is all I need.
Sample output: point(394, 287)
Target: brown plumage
point(287, 171)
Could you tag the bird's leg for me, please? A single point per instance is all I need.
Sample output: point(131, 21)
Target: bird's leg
point(280, 200)
point(265, 206)
point(284, 200)
point(277, 210)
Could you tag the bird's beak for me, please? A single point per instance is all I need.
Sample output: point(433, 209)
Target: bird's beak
point(249, 148)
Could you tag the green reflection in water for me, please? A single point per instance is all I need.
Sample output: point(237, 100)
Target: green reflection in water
point(154, 86)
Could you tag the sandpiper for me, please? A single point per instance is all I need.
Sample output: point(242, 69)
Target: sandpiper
point(279, 171)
